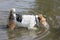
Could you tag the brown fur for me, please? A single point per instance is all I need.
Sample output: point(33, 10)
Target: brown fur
point(11, 24)
point(41, 19)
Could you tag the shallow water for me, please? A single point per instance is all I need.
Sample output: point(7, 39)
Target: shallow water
point(49, 8)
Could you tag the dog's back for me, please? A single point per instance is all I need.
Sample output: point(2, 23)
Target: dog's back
point(27, 21)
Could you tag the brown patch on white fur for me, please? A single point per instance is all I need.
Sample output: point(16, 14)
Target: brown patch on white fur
point(42, 19)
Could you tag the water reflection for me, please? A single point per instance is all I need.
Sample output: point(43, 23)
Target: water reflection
point(21, 34)
point(3, 32)
point(24, 34)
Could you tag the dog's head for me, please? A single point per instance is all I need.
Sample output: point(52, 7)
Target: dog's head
point(41, 17)
point(42, 20)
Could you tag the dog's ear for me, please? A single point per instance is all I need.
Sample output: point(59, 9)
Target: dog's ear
point(40, 16)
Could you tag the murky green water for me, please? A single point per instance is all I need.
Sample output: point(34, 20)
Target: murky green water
point(49, 8)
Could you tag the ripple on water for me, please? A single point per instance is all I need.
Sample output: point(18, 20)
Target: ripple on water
point(24, 34)
point(58, 19)
point(3, 34)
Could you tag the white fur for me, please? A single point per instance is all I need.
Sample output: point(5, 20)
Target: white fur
point(14, 16)
point(27, 21)
point(13, 9)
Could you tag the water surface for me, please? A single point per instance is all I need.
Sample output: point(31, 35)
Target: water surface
point(49, 8)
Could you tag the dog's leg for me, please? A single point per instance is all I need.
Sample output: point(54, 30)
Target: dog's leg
point(32, 26)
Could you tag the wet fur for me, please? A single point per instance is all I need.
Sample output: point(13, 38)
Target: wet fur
point(11, 24)
point(42, 19)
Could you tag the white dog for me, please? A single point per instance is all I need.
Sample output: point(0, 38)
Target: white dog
point(28, 21)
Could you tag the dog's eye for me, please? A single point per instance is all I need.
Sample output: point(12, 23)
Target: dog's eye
point(39, 18)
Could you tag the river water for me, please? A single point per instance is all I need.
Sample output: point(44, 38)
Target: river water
point(49, 8)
